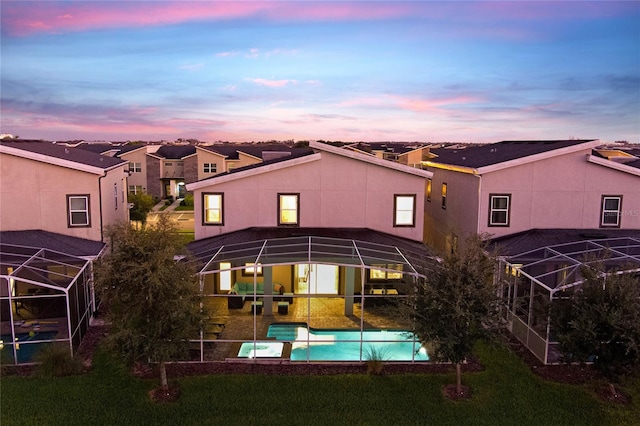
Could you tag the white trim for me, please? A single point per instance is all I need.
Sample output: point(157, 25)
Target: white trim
point(205, 183)
point(613, 165)
point(59, 161)
point(589, 145)
point(208, 151)
point(370, 159)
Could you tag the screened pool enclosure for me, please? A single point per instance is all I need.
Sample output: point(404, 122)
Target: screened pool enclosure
point(535, 278)
point(45, 297)
point(323, 282)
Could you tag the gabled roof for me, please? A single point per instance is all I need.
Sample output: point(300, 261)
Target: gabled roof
point(103, 148)
point(60, 155)
point(175, 152)
point(301, 156)
point(52, 241)
point(232, 151)
point(298, 156)
point(490, 157)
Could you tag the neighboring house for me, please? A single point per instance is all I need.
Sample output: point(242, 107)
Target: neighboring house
point(410, 154)
point(60, 189)
point(514, 186)
point(166, 170)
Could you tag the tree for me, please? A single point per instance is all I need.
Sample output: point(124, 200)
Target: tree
point(152, 301)
point(600, 321)
point(457, 304)
point(142, 205)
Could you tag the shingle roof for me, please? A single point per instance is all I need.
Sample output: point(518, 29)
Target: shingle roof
point(52, 241)
point(75, 155)
point(231, 151)
point(475, 156)
point(175, 152)
point(100, 148)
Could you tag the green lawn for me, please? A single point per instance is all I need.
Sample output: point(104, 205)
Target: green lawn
point(506, 393)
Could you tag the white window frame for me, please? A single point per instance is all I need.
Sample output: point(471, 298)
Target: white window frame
point(506, 210)
point(399, 212)
point(210, 168)
point(281, 209)
point(605, 213)
point(135, 167)
point(206, 209)
point(70, 211)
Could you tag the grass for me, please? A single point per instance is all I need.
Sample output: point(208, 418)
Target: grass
point(505, 393)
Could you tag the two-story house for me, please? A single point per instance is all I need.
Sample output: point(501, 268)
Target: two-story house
point(510, 187)
point(60, 189)
point(325, 222)
point(55, 203)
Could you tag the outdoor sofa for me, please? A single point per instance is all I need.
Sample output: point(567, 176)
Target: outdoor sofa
point(242, 291)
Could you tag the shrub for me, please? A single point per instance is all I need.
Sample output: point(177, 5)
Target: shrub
point(56, 361)
point(375, 360)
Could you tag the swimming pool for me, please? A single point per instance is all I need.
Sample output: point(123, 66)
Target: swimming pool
point(24, 348)
point(314, 344)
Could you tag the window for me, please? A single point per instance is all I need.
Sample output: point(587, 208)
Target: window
point(428, 191)
point(210, 167)
point(610, 211)
point(385, 272)
point(78, 211)
point(115, 194)
point(135, 189)
point(404, 207)
point(444, 196)
point(288, 209)
point(135, 167)
point(499, 207)
point(230, 167)
point(213, 213)
point(225, 276)
point(168, 164)
point(250, 268)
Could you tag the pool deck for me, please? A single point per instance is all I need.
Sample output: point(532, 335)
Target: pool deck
point(232, 326)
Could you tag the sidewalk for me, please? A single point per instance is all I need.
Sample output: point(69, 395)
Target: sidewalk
point(161, 204)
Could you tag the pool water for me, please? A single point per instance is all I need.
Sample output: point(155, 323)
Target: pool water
point(345, 345)
point(24, 349)
point(261, 350)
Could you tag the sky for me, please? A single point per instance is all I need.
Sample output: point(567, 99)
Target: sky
point(427, 71)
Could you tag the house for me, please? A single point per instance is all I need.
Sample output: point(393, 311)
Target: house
point(60, 189)
point(320, 223)
point(510, 187)
point(56, 202)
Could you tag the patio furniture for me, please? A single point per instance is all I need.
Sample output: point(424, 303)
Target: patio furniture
point(283, 308)
point(256, 307)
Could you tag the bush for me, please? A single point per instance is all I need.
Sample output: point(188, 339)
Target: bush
point(187, 201)
point(56, 361)
point(375, 360)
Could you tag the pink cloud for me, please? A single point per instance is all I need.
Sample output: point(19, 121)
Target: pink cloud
point(25, 18)
point(414, 104)
point(271, 83)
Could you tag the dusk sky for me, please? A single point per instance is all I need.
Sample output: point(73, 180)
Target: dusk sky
point(463, 71)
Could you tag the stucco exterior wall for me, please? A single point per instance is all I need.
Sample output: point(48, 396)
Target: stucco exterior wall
point(205, 156)
point(560, 192)
point(245, 160)
point(334, 192)
point(461, 214)
point(137, 178)
point(33, 195)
